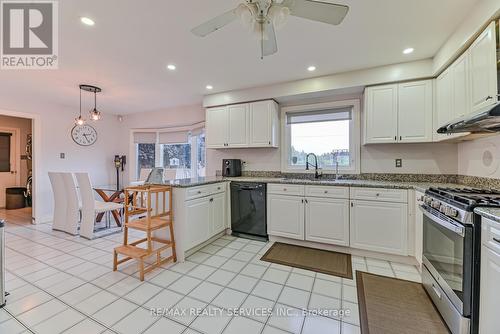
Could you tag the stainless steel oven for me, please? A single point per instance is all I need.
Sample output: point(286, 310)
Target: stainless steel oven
point(450, 263)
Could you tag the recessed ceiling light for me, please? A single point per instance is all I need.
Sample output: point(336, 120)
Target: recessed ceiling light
point(311, 68)
point(87, 21)
point(407, 51)
point(210, 87)
point(171, 67)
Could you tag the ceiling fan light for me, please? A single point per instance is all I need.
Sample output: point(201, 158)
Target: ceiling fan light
point(259, 32)
point(245, 15)
point(278, 15)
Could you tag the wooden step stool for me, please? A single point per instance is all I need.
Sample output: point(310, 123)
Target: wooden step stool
point(144, 215)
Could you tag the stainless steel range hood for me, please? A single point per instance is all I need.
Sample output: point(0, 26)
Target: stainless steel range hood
point(487, 121)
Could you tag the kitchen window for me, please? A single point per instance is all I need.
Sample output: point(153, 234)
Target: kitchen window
point(329, 130)
point(180, 153)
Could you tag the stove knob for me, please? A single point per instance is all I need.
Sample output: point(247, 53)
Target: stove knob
point(436, 204)
point(452, 213)
point(443, 209)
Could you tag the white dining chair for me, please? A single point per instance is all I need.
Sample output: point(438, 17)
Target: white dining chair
point(60, 212)
point(72, 204)
point(91, 207)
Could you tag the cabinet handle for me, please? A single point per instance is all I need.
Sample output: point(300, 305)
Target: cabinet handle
point(199, 191)
point(352, 205)
point(302, 200)
point(326, 191)
point(395, 138)
point(496, 240)
point(377, 194)
point(489, 98)
point(284, 189)
point(211, 200)
point(269, 143)
point(306, 201)
point(400, 137)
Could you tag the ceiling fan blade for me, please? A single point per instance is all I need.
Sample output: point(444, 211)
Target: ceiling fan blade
point(215, 24)
point(269, 45)
point(317, 11)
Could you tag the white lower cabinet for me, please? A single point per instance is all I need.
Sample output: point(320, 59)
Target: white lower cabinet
point(285, 216)
point(197, 219)
point(327, 221)
point(379, 226)
point(218, 209)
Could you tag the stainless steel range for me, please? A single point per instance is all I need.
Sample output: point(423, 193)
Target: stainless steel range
point(451, 253)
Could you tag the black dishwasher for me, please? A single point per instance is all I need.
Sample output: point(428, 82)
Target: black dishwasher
point(248, 210)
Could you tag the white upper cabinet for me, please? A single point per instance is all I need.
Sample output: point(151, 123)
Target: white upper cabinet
point(399, 113)
point(415, 111)
point(217, 132)
point(238, 126)
point(253, 124)
point(444, 102)
point(381, 106)
point(460, 88)
point(483, 70)
point(264, 124)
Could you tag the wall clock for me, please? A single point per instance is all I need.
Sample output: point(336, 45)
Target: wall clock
point(84, 135)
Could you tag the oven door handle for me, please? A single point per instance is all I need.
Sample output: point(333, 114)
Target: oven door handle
point(444, 223)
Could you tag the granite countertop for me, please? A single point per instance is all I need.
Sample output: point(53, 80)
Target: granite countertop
point(420, 186)
point(490, 213)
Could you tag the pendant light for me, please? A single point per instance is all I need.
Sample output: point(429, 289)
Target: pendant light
point(95, 115)
point(80, 120)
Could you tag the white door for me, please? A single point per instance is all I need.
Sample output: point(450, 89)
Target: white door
point(216, 128)
point(461, 91)
point(217, 214)
point(260, 124)
point(415, 111)
point(379, 226)
point(381, 112)
point(285, 216)
point(327, 221)
point(198, 221)
point(9, 161)
point(238, 125)
point(489, 321)
point(483, 70)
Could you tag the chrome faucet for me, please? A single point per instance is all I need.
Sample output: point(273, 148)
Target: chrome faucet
point(316, 174)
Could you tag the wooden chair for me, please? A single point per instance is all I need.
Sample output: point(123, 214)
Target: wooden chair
point(146, 210)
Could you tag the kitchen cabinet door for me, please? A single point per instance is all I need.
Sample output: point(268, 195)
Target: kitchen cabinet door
point(419, 227)
point(489, 321)
point(263, 124)
point(285, 216)
point(444, 103)
point(217, 213)
point(381, 107)
point(415, 111)
point(379, 226)
point(483, 70)
point(461, 86)
point(198, 221)
point(327, 221)
point(237, 128)
point(217, 120)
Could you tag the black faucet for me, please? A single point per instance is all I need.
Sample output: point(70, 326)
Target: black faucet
point(316, 174)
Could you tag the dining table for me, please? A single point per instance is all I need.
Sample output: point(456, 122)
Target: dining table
point(110, 193)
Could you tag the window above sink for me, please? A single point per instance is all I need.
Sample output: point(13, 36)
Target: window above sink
point(329, 130)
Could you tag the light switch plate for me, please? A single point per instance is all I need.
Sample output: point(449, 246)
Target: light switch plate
point(399, 163)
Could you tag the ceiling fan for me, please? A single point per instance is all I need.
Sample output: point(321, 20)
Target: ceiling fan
point(262, 17)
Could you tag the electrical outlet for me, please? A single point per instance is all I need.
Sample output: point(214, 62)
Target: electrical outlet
point(62, 155)
point(399, 163)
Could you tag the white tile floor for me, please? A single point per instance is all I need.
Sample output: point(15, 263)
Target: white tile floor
point(64, 284)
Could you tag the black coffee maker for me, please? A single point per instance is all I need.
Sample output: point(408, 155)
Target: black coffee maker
point(231, 167)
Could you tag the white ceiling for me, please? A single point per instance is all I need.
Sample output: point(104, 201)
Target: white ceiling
point(126, 52)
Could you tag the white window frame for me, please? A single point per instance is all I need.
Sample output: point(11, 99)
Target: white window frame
point(354, 131)
point(158, 151)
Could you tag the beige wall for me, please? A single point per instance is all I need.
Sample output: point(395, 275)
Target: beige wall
point(24, 125)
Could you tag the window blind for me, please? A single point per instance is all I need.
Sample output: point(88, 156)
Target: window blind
point(327, 115)
point(179, 137)
point(5, 152)
point(144, 137)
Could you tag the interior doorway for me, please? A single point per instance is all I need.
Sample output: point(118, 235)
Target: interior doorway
point(16, 167)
